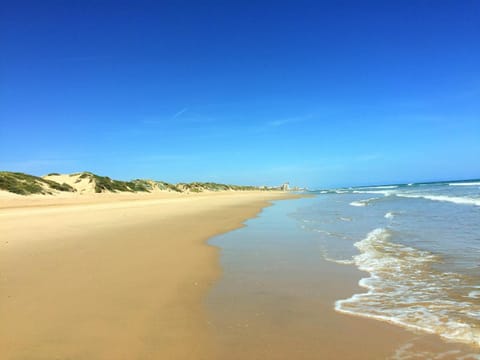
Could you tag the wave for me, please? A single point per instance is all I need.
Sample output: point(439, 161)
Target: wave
point(381, 192)
point(411, 351)
point(364, 202)
point(358, 203)
point(378, 187)
point(327, 257)
point(385, 187)
point(475, 294)
point(389, 215)
point(452, 199)
point(476, 183)
point(404, 289)
point(337, 261)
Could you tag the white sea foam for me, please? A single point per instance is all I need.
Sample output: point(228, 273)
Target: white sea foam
point(404, 289)
point(474, 294)
point(452, 199)
point(410, 352)
point(358, 203)
point(340, 261)
point(364, 188)
point(327, 257)
point(364, 202)
point(389, 215)
point(323, 232)
point(476, 183)
point(382, 187)
point(381, 192)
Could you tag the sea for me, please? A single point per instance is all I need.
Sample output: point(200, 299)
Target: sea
point(418, 245)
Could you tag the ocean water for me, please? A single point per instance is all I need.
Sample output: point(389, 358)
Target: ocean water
point(419, 246)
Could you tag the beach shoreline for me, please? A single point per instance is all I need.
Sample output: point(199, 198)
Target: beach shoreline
point(113, 276)
point(277, 294)
point(139, 276)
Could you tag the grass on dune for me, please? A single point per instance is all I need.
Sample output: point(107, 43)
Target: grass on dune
point(24, 184)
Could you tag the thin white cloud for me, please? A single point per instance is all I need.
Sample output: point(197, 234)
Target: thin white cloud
point(154, 120)
point(179, 113)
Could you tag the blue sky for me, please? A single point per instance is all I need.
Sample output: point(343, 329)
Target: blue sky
point(320, 93)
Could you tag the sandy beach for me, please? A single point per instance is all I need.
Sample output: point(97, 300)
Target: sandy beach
point(113, 277)
point(162, 276)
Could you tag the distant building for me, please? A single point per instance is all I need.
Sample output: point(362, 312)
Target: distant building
point(285, 186)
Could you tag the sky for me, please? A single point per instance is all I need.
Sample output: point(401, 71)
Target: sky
point(317, 93)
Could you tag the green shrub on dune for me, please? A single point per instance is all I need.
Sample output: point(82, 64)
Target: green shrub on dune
point(107, 184)
point(162, 185)
point(211, 186)
point(140, 185)
point(24, 184)
point(58, 186)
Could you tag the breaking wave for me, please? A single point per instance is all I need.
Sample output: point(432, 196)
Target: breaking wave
point(389, 215)
point(404, 289)
point(452, 199)
point(475, 183)
point(362, 202)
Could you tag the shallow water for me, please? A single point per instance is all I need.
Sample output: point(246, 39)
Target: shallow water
point(420, 245)
point(290, 279)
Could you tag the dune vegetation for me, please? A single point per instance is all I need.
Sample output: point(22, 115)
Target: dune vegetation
point(25, 184)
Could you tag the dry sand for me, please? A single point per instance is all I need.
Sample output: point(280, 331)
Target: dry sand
point(112, 277)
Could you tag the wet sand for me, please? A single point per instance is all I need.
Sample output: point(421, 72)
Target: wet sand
point(275, 300)
point(113, 278)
